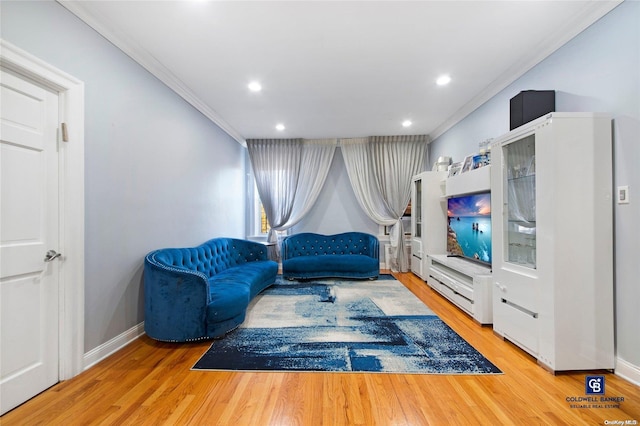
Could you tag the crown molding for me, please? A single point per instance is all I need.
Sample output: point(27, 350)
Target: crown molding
point(592, 12)
point(148, 62)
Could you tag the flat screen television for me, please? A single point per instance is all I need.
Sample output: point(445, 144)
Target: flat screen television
point(469, 227)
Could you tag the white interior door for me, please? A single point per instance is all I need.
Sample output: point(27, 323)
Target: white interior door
point(29, 296)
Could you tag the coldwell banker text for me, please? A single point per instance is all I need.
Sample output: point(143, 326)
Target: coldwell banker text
point(595, 401)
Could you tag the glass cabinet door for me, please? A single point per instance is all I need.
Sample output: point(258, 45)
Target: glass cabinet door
point(520, 170)
point(416, 209)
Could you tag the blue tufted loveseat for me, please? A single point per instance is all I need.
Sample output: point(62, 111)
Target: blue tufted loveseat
point(347, 255)
point(203, 292)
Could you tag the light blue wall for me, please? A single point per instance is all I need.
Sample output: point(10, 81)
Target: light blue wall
point(598, 71)
point(337, 209)
point(157, 172)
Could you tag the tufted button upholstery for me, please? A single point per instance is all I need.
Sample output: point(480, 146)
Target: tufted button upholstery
point(214, 256)
point(202, 292)
point(328, 244)
point(350, 254)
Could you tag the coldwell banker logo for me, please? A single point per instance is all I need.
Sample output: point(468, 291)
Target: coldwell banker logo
point(594, 385)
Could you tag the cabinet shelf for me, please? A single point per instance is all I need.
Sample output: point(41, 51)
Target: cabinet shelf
point(526, 178)
point(476, 180)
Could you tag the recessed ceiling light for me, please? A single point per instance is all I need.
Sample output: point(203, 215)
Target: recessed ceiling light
point(280, 127)
point(443, 80)
point(406, 123)
point(254, 86)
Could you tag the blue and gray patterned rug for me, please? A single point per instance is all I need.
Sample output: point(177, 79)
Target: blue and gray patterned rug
point(343, 325)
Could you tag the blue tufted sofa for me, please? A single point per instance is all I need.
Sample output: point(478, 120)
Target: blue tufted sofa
point(347, 255)
point(203, 292)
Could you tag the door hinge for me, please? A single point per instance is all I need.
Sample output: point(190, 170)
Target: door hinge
point(64, 132)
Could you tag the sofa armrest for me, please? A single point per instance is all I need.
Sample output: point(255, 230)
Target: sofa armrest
point(285, 248)
point(175, 299)
point(374, 247)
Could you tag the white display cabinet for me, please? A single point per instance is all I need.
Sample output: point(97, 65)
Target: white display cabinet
point(428, 219)
point(553, 240)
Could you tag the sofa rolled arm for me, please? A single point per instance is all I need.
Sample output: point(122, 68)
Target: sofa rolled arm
point(175, 299)
point(374, 247)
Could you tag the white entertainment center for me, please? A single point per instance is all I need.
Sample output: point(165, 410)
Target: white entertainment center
point(465, 283)
point(550, 287)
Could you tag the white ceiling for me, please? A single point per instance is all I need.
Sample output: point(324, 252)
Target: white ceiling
point(337, 68)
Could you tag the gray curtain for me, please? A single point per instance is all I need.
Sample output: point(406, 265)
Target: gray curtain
point(380, 169)
point(289, 174)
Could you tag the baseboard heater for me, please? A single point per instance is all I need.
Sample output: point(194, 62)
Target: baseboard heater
point(520, 308)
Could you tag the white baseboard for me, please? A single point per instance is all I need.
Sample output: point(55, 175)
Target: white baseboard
point(628, 371)
point(96, 355)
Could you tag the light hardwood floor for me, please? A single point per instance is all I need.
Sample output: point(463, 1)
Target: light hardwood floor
point(150, 383)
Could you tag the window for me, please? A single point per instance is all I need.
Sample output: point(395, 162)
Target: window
point(264, 223)
point(260, 224)
point(406, 221)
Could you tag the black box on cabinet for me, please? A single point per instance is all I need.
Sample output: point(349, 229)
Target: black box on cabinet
point(531, 104)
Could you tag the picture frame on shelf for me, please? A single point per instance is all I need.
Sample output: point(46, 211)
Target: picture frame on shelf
point(480, 160)
point(455, 169)
point(467, 164)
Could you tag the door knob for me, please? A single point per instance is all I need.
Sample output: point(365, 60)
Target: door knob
point(51, 255)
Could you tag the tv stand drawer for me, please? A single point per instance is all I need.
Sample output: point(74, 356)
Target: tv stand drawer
point(461, 284)
point(466, 284)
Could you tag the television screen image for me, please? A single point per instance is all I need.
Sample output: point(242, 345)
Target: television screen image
point(469, 227)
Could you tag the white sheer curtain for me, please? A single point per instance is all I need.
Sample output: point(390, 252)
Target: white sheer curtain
point(380, 169)
point(317, 155)
point(290, 174)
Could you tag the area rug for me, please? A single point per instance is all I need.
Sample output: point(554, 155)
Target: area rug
point(341, 326)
